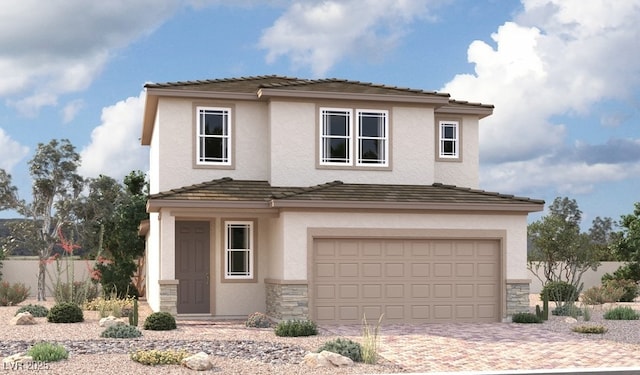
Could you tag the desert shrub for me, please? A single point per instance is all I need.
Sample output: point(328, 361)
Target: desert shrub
point(48, 352)
point(370, 340)
point(77, 292)
point(598, 295)
point(65, 313)
point(159, 357)
point(568, 309)
point(122, 331)
point(13, 294)
point(160, 321)
point(258, 320)
point(589, 329)
point(345, 347)
point(621, 313)
point(112, 305)
point(559, 291)
point(630, 288)
point(296, 328)
point(37, 311)
point(525, 317)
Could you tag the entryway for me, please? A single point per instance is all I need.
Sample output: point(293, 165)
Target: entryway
point(192, 267)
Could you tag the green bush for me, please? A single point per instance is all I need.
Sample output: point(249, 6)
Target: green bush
point(13, 294)
point(122, 331)
point(160, 321)
point(65, 313)
point(345, 347)
point(559, 291)
point(37, 311)
point(48, 352)
point(621, 313)
point(568, 309)
point(159, 357)
point(630, 288)
point(589, 329)
point(525, 317)
point(296, 328)
point(258, 320)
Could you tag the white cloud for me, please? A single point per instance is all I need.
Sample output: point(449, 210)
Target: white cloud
point(115, 147)
point(557, 58)
point(70, 110)
point(318, 34)
point(55, 47)
point(11, 152)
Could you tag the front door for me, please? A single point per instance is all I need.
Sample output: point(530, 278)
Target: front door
point(192, 267)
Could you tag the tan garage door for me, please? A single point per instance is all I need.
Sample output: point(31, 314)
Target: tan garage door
point(407, 280)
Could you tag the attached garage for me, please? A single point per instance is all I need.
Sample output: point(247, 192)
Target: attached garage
point(407, 280)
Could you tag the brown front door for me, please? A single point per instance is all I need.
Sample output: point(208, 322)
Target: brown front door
point(192, 267)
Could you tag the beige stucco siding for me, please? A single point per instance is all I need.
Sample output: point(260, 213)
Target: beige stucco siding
point(463, 172)
point(297, 224)
point(177, 136)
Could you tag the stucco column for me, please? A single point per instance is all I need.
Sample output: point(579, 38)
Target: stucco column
point(167, 246)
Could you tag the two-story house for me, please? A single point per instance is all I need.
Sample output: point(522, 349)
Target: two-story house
point(326, 199)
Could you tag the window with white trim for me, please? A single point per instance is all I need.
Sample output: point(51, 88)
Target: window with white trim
point(449, 139)
point(239, 248)
point(214, 136)
point(341, 137)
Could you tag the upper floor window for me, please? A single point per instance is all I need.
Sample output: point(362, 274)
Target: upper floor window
point(449, 140)
point(340, 138)
point(239, 248)
point(214, 135)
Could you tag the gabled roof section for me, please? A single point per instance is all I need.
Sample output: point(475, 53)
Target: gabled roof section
point(270, 87)
point(231, 193)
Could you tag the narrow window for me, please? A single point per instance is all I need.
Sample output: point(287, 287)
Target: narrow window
point(449, 141)
point(239, 250)
point(335, 138)
point(214, 136)
point(372, 138)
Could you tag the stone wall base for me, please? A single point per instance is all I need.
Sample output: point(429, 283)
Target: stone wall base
point(287, 301)
point(169, 296)
point(517, 297)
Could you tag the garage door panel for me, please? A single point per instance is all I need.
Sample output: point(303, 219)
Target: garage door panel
point(409, 280)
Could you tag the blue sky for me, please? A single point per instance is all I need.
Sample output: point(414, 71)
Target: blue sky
point(564, 76)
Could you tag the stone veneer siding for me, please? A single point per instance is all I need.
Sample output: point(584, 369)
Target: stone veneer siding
point(287, 301)
point(517, 297)
point(169, 296)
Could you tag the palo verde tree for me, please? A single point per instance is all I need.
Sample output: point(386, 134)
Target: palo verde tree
point(560, 250)
point(53, 170)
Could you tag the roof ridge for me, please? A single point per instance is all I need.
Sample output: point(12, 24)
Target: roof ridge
point(302, 190)
point(217, 80)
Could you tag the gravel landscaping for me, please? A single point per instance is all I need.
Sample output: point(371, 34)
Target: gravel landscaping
point(232, 347)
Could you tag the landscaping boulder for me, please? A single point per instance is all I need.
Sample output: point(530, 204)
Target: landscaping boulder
point(23, 319)
point(198, 362)
point(327, 359)
point(570, 320)
point(111, 321)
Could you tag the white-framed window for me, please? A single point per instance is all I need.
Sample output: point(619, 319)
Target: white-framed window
point(449, 139)
point(213, 142)
point(341, 137)
point(373, 138)
point(335, 137)
point(239, 248)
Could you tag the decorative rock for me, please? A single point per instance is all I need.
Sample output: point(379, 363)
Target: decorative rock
point(570, 320)
point(16, 358)
point(23, 319)
point(198, 362)
point(110, 321)
point(327, 359)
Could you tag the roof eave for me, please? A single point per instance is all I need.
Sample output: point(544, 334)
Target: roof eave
point(481, 111)
point(155, 205)
point(525, 207)
point(435, 99)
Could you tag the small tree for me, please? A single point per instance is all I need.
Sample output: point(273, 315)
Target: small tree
point(627, 246)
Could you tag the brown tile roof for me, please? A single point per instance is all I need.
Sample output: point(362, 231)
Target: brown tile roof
point(253, 84)
point(339, 193)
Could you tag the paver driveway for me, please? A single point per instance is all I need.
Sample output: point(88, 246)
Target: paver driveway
point(494, 346)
